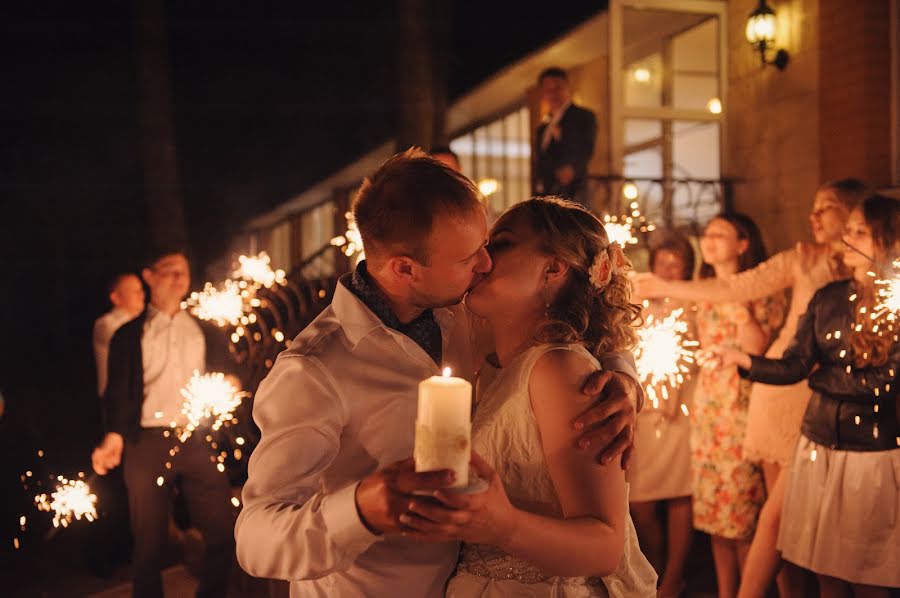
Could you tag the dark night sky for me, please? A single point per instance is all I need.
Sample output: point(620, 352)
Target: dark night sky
point(266, 100)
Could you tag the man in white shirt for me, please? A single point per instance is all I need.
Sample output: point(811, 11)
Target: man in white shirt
point(332, 475)
point(151, 358)
point(126, 293)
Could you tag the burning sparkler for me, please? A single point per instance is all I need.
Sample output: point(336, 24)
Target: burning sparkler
point(71, 500)
point(351, 241)
point(621, 229)
point(209, 397)
point(225, 306)
point(258, 269)
point(887, 293)
point(664, 354)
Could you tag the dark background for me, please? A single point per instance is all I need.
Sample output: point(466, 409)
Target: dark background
point(267, 100)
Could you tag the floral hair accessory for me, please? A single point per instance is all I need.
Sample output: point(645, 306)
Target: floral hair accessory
point(610, 261)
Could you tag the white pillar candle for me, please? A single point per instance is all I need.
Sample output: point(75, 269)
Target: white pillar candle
point(444, 426)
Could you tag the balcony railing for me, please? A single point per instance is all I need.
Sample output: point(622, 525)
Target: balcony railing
point(681, 203)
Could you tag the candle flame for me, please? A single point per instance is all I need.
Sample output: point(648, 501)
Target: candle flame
point(446, 372)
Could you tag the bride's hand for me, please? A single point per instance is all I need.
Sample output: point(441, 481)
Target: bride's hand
point(483, 518)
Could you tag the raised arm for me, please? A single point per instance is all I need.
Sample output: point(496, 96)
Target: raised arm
point(289, 527)
point(771, 276)
point(590, 540)
point(798, 359)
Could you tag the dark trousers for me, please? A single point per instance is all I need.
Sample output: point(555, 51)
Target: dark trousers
point(110, 536)
point(208, 499)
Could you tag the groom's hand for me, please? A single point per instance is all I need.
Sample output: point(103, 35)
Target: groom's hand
point(608, 424)
point(384, 495)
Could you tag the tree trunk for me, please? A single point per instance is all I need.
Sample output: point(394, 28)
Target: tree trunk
point(162, 188)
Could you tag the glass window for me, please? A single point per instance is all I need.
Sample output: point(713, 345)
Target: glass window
point(497, 156)
point(317, 232)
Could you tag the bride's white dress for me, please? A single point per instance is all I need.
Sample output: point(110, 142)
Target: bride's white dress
point(505, 433)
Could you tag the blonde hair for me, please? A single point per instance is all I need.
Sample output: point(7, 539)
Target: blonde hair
point(603, 320)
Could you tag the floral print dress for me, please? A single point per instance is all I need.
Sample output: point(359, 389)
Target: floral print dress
point(728, 490)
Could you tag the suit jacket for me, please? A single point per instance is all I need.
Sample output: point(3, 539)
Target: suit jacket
point(124, 395)
point(578, 130)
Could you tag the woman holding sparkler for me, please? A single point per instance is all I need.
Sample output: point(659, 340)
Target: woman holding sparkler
point(775, 412)
point(842, 498)
point(662, 466)
point(728, 490)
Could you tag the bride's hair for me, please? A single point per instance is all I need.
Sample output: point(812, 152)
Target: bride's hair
point(604, 320)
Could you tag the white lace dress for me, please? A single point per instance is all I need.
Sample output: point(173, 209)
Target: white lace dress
point(505, 433)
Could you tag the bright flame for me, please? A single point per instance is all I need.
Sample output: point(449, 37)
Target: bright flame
point(630, 191)
point(351, 241)
point(714, 105)
point(619, 233)
point(258, 269)
point(447, 372)
point(209, 397)
point(641, 74)
point(225, 306)
point(488, 186)
point(663, 354)
point(888, 294)
point(71, 500)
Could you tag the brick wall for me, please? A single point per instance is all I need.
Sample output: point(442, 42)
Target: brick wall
point(855, 90)
point(772, 120)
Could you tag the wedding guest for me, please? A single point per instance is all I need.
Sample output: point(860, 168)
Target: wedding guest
point(775, 412)
point(126, 293)
point(331, 475)
point(728, 489)
point(552, 524)
point(564, 141)
point(841, 497)
point(151, 358)
point(661, 475)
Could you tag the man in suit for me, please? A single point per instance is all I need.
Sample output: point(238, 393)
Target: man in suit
point(151, 358)
point(564, 141)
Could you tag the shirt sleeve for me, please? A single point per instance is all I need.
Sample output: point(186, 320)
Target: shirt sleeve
point(289, 527)
point(101, 338)
point(798, 359)
point(624, 363)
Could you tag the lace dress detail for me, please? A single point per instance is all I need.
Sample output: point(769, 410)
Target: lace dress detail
point(505, 433)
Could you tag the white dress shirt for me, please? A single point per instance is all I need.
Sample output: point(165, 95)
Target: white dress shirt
point(104, 328)
point(172, 349)
point(337, 406)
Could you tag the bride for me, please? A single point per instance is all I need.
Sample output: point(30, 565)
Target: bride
point(553, 521)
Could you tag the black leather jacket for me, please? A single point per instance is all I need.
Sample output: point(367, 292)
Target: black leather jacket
point(844, 412)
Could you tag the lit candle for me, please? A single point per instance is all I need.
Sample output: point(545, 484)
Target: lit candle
point(444, 426)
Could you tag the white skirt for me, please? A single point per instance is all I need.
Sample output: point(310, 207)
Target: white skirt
point(841, 514)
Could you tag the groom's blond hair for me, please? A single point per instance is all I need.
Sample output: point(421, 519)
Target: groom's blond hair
point(396, 206)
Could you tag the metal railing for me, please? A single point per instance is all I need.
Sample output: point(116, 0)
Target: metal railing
point(682, 203)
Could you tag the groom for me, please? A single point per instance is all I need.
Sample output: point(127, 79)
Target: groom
point(332, 474)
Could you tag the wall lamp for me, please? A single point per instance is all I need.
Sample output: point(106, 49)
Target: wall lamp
point(760, 33)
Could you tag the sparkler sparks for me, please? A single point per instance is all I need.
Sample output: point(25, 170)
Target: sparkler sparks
point(664, 353)
point(71, 500)
point(225, 306)
point(887, 292)
point(351, 241)
point(209, 397)
point(622, 229)
point(258, 269)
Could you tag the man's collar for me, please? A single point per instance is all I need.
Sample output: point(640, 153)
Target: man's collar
point(358, 318)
